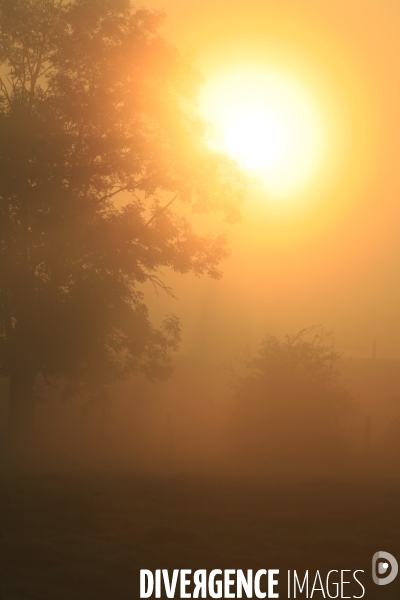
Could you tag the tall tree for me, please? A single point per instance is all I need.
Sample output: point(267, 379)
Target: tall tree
point(95, 107)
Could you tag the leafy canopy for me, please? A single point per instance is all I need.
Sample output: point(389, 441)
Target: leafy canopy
point(99, 144)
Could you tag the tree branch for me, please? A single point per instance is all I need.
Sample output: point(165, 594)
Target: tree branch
point(108, 196)
point(157, 282)
point(163, 209)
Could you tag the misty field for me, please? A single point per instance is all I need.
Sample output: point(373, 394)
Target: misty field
point(86, 536)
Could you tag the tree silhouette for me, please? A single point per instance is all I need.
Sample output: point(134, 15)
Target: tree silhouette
point(98, 150)
point(289, 403)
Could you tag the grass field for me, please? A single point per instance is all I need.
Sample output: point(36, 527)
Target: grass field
point(86, 536)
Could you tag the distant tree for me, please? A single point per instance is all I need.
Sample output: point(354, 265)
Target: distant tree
point(95, 107)
point(289, 403)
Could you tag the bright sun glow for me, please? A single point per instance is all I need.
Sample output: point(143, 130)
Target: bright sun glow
point(268, 122)
point(253, 139)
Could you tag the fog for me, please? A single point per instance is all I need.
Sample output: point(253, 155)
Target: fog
point(192, 425)
point(199, 296)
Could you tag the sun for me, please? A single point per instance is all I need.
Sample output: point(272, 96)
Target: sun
point(253, 139)
point(269, 122)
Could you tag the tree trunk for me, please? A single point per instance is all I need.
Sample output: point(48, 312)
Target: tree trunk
point(21, 411)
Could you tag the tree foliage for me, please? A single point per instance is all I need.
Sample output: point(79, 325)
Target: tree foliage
point(290, 402)
point(98, 145)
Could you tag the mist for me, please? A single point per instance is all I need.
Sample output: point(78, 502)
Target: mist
point(199, 299)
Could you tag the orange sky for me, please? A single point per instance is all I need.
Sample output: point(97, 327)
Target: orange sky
point(331, 254)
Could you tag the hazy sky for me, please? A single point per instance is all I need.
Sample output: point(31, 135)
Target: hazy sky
point(330, 252)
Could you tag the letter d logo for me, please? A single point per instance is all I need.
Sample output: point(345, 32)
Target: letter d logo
point(383, 567)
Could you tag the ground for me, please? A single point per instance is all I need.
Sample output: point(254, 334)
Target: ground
point(86, 536)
